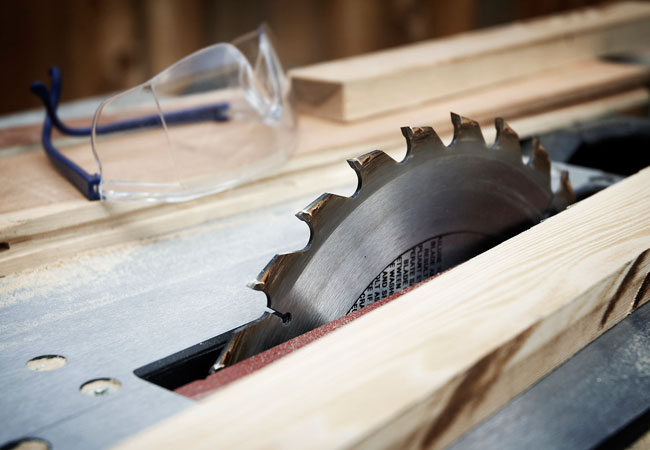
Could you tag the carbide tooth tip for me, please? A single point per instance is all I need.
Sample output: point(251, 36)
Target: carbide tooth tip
point(539, 159)
point(566, 186)
point(564, 178)
point(503, 127)
point(365, 164)
point(421, 131)
point(312, 214)
point(407, 132)
point(275, 268)
point(376, 156)
point(354, 162)
point(465, 129)
point(421, 139)
point(257, 285)
point(506, 139)
point(418, 134)
point(565, 195)
point(304, 215)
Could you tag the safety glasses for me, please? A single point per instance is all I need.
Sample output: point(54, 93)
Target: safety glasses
point(217, 118)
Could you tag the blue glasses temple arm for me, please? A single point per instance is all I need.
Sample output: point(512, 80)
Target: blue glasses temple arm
point(86, 183)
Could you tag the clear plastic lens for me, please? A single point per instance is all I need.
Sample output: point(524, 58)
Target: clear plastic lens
point(217, 118)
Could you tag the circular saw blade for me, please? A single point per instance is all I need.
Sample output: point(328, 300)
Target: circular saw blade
point(406, 221)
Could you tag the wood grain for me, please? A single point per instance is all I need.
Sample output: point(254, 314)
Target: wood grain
point(34, 182)
point(348, 90)
point(43, 218)
point(421, 370)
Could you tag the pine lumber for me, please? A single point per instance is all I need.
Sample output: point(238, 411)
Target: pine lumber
point(423, 369)
point(33, 182)
point(359, 87)
point(43, 218)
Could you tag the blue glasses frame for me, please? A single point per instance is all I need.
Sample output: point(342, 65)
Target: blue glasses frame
point(88, 184)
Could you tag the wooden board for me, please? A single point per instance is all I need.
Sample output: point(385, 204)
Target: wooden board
point(32, 182)
point(358, 87)
point(421, 370)
point(44, 219)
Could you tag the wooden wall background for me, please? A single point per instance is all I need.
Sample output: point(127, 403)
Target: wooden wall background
point(108, 45)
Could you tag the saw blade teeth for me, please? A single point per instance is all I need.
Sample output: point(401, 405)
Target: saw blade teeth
point(465, 130)
point(565, 185)
point(421, 139)
point(506, 139)
point(565, 195)
point(313, 213)
point(539, 159)
point(274, 270)
point(367, 165)
point(256, 285)
point(387, 191)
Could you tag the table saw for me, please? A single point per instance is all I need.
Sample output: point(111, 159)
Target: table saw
point(473, 284)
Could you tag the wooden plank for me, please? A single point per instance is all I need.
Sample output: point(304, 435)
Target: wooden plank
point(34, 182)
point(550, 90)
point(63, 223)
point(422, 369)
point(358, 87)
point(545, 122)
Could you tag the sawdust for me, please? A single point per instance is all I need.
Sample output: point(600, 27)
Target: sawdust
point(57, 276)
point(85, 266)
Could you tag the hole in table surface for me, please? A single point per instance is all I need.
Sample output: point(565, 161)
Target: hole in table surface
point(28, 443)
point(46, 363)
point(100, 387)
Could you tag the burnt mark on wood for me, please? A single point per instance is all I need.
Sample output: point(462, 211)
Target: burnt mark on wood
point(643, 292)
point(624, 286)
point(473, 387)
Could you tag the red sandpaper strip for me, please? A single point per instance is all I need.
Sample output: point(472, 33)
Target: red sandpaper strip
point(201, 388)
